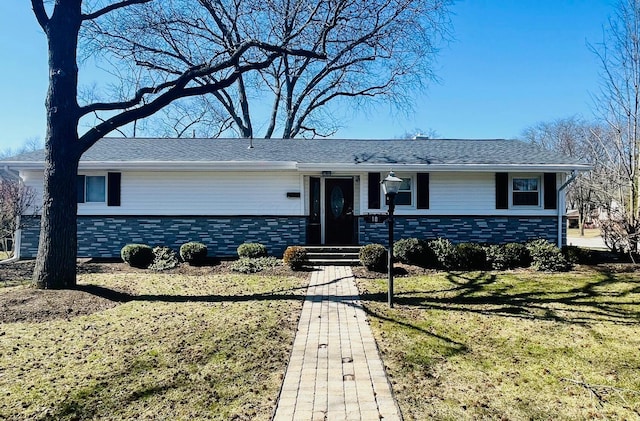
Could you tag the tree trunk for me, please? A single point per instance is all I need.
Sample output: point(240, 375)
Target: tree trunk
point(56, 262)
point(57, 250)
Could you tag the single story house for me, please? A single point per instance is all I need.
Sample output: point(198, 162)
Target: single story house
point(282, 192)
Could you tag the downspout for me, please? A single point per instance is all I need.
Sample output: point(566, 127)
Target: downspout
point(560, 206)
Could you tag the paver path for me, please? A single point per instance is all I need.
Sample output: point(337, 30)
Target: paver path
point(335, 372)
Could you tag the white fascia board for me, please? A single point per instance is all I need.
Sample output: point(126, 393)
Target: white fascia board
point(302, 167)
point(446, 167)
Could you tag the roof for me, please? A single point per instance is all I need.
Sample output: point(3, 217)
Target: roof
point(301, 154)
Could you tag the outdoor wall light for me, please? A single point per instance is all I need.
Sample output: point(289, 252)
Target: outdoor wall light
point(391, 185)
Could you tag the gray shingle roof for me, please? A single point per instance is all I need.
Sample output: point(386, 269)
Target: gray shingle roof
point(322, 151)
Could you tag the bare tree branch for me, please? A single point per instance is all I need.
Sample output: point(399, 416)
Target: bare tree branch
point(112, 7)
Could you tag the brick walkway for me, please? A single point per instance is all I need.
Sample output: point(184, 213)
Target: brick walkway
point(335, 372)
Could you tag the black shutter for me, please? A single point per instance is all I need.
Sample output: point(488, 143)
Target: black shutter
point(423, 190)
point(502, 190)
point(113, 188)
point(374, 190)
point(80, 188)
point(550, 194)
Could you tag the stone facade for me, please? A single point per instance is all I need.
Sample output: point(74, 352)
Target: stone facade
point(458, 229)
point(104, 236)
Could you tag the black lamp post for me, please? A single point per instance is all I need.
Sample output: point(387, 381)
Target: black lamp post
point(391, 185)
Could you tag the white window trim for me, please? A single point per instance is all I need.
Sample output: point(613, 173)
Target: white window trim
point(106, 189)
point(413, 177)
point(540, 192)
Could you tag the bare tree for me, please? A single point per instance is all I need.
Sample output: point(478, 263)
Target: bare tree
point(378, 50)
point(618, 105)
point(137, 27)
point(579, 139)
point(30, 144)
point(16, 200)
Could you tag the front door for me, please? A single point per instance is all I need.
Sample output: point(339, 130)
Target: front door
point(339, 221)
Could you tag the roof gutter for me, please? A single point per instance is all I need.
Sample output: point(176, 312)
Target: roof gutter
point(573, 176)
point(399, 167)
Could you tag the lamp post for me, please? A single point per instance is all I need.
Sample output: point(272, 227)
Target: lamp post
point(391, 185)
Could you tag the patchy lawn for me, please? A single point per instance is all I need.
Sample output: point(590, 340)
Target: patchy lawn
point(131, 344)
point(588, 233)
point(515, 346)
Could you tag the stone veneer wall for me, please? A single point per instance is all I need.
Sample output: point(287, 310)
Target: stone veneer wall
point(104, 236)
point(480, 229)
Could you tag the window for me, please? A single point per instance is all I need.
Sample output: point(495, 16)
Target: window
point(404, 194)
point(91, 189)
point(526, 191)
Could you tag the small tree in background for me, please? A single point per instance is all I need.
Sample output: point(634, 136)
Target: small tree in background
point(16, 199)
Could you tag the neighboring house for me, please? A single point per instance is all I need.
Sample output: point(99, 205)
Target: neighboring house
point(302, 192)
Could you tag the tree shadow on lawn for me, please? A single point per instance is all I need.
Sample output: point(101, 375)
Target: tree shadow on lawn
point(125, 297)
point(597, 301)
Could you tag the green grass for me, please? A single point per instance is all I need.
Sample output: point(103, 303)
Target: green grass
point(180, 347)
point(514, 345)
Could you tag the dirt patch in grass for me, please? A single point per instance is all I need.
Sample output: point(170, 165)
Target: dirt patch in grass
point(34, 305)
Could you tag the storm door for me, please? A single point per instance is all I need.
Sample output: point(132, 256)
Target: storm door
point(339, 221)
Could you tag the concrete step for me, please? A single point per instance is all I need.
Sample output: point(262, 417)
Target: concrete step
point(333, 255)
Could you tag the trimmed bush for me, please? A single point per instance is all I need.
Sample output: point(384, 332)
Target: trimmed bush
point(508, 256)
point(254, 264)
point(194, 253)
point(295, 257)
point(164, 258)
point(445, 253)
point(374, 257)
point(546, 256)
point(413, 251)
point(252, 250)
point(137, 255)
point(577, 255)
point(471, 256)
point(518, 255)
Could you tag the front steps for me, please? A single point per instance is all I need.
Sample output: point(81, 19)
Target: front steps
point(333, 255)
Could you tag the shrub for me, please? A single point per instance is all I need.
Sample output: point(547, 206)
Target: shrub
point(413, 251)
point(546, 256)
point(252, 250)
point(518, 255)
point(164, 258)
point(471, 256)
point(254, 264)
point(445, 253)
point(137, 255)
point(577, 255)
point(193, 253)
point(374, 257)
point(295, 257)
point(508, 256)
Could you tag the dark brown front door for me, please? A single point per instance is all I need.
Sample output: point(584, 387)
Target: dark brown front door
point(339, 220)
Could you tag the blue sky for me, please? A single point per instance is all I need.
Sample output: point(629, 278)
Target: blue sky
point(513, 63)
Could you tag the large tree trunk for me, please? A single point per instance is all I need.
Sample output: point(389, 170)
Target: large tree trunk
point(57, 250)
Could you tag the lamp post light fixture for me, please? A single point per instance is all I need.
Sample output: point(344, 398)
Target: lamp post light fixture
point(391, 185)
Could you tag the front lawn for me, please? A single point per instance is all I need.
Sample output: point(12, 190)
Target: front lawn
point(148, 346)
point(515, 345)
